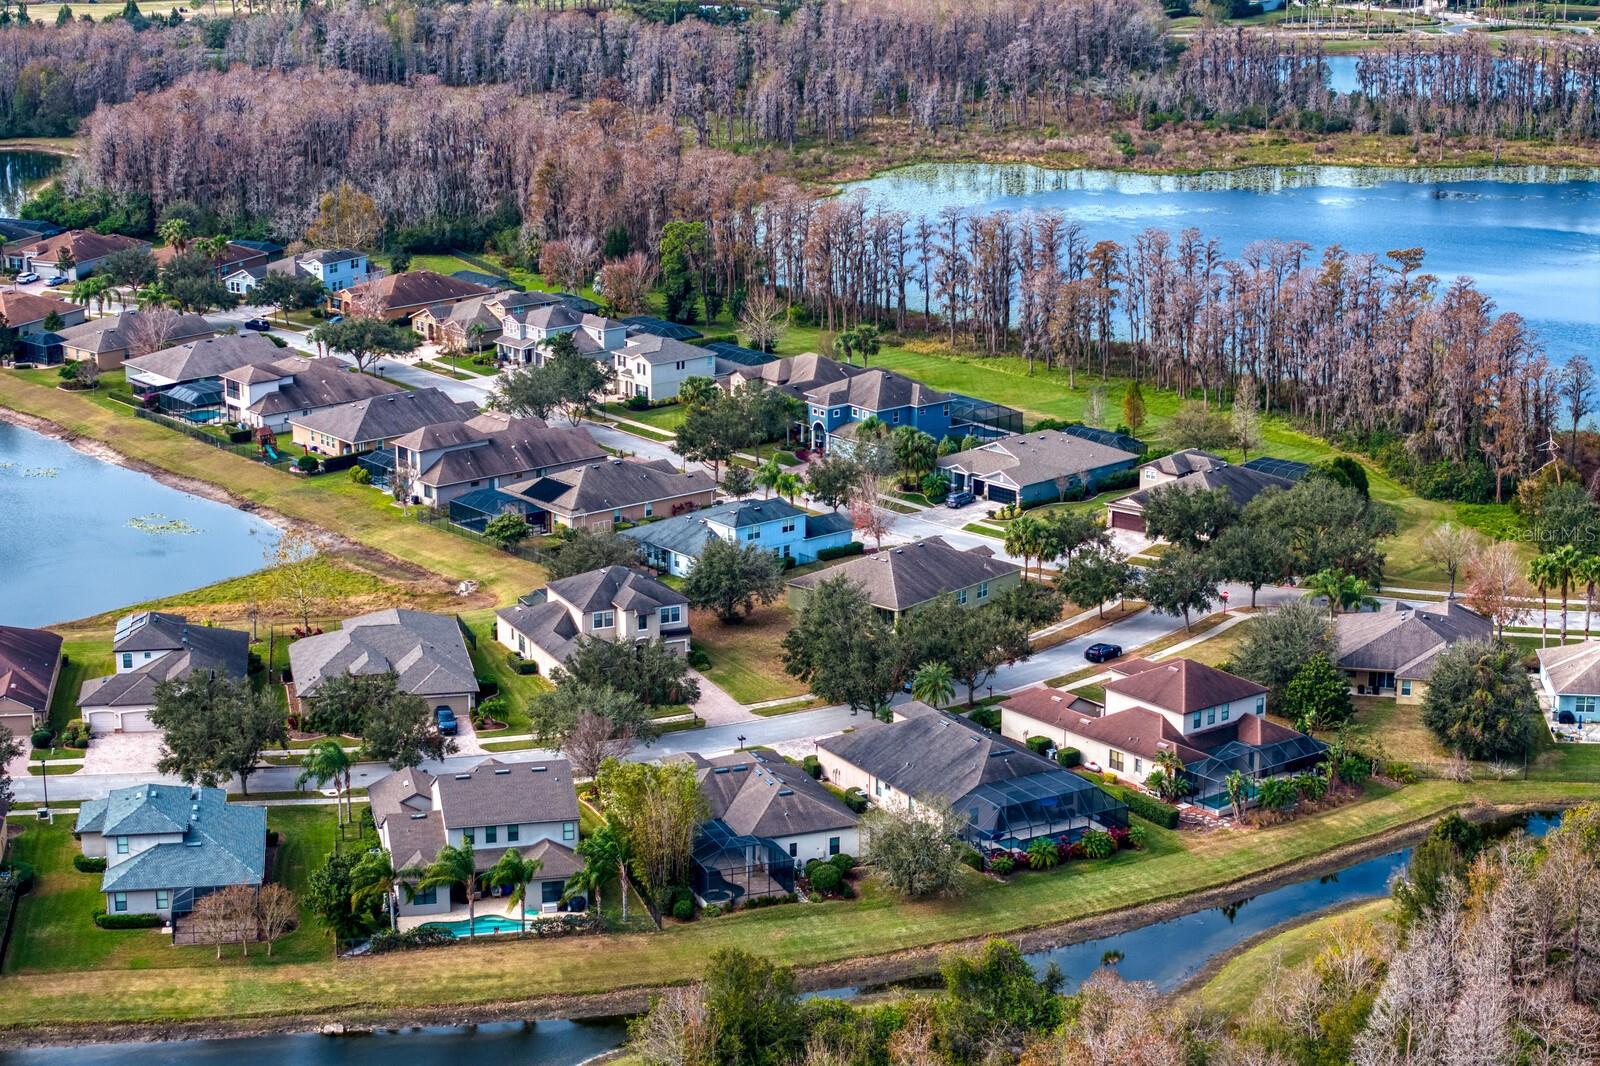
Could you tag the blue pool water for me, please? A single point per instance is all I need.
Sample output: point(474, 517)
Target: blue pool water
point(486, 924)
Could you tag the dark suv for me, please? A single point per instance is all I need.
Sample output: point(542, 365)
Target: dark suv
point(446, 719)
point(1099, 653)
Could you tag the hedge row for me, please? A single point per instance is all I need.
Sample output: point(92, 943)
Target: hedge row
point(89, 864)
point(128, 921)
point(842, 551)
point(1147, 807)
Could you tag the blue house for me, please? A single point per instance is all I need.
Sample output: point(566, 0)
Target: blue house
point(674, 544)
point(894, 400)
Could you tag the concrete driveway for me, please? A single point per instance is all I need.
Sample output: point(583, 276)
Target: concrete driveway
point(123, 753)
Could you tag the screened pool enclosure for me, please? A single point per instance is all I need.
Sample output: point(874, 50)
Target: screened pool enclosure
point(1209, 776)
point(729, 867)
point(1008, 814)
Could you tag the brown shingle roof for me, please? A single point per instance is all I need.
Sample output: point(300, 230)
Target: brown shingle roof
point(25, 308)
point(28, 659)
point(1180, 685)
point(908, 574)
point(414, 288)
point(85, 245)
point(1051, 706)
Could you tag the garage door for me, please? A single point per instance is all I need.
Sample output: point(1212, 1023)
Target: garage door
point(102, 722)
point(1127, 520)
point(136, 722)
point(1002, 495)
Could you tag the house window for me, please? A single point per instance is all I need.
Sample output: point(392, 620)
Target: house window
point(671, 615)
point(604, 619)
point(1211, 716)
point(466, 836)
point(119, 901)
point(127, 660)
point(897, 418)
point(1405, 686)
point(122, 845)
point(1138, 765)
point(616, 515)
point(1261, 705)
point(833, 845)
point(1585, 704)
point(1114, 759)
point(961, 595)
point(678, 365)
point(513, 833)
point(642, 620)
point(1225, 711)
point(163, 901)
point(794, 849)
point(788, 527)
point(983, 590)
point(491, 834)
point(1196, 720)
point(569, 831)
point(427, 897)
point(550, 892)
point(649, 510)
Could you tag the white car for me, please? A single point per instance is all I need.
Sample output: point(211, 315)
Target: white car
point(26, 276)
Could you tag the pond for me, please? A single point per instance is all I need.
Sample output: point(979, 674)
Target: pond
point(1530, 236)
point(82, 536)
point(20, 171)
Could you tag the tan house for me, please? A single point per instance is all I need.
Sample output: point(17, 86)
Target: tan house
point(108, 341)
point(600, 495)
point(82, 250)
point(232, 258)
point(399, 296)
point(906, 576)
point(1242, 484)
point(488, 449)
point(612, 604)
point(1392, 651)
point(269, 394)
point(475, 323)
point(425, 652)
point(362, 425)
point(30, 666)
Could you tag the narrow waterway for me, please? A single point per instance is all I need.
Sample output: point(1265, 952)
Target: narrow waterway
point(81, 536)
point(20, 172)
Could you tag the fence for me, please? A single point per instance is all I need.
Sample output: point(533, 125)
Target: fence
point(528, 552)
point(247, 451)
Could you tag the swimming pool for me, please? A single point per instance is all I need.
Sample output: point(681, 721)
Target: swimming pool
point(487, 924)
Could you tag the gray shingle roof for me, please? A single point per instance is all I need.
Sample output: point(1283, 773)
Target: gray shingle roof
point(798, 375)
point(617, 586)
point(908, 574)
point(654, 349)
point(1405, 640)
point(314, 383)
point(876, 390)
point(28, 659)
point(416, 809)
point(1187, 461)
point(548, 625)
point(379, 418)
point(490, 444)
point(757, 797)
point(1041, 456)
point(1241, 485)
point(114, 332)
point(222, 844)
point(1573, 669)
point(424, 651)
point(208, 358)
point(187, 648)
point(610, 486)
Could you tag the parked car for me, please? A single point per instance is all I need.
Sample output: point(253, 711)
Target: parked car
point(1099, 653)
point(958, 499)
point(26, 276)
point(260, 325)
point(335, 320)
point(59, 279)
point(446, 718)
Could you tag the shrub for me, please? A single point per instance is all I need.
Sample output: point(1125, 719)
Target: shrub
point(825, 878)
point(493, 709)
point(638, 403)
point(813, 766)
point(410, 940)
point(307, 464)
point(986, 717)
point(42, 737)
point(769, 901)
point(524, 666)
point(1136, 837)
point(1097, 845)
point(683, 910)
point(128, 921)
point(844, 863)
point(1312, 786)
point(89, 864)
point(1401, 772)
point(1069, 757)
point(75, 735)
point(699, 659)
point(68, 372)
point(1039, 745)
point(1108, 776)
point(359, 475)
point(1119, 837)
point(712, 910)
point(971, 857)
point(1148, 807)
point(1002, 864)
point(841, 551)
point(856, 800)
point(22, 874)
point(272, 838)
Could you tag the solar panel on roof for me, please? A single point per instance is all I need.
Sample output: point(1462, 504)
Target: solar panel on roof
point(735, 353)
point(661, 328)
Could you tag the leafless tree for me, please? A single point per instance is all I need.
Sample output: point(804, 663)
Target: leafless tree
point(296, 585)
point(678, 1030)
point(592, 740)
point(1451, 548)
point(150, 330)
point(762, 318)
point(277, 911)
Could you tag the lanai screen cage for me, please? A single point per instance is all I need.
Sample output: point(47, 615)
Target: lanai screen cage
point(729, 867)
point(196, 401)
point(379, 465)
point(979, 418)
point(474, 509)
point(1056, 803)
point(1291, 755)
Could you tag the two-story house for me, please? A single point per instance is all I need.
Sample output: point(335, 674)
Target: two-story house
point(446, 461)
point(267, 395)
point(675, 544)
point(151, 647)
point(906, 576)
point(654, 367)
point(495, 807)
point(894, 400)
point(363, 425)
point(1214, 722)
point(167, 846)
point(526, 330)
point(335, 268)
point(613, 603)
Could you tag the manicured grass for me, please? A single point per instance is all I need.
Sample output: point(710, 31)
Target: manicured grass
point(780, 709)
point(666, 418)
point(332, 502)
point(86, 658)
point(52, 770)
point(1220, 648)
point(747, 657)
point(489, 660)
point(1242, 980)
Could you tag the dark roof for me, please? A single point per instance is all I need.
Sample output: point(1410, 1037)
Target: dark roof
point(478, 277)
point(28, 659)
point(548, 625)
point(934, 753)
point(379, 418)
point(1110, 438)
point(1033, 458)
point(1180, 685)
point(876, 390)
point(1240, 484)
point(800, 374)
point(1187, 461)
point(208, 358)
point(1146, 733)
point(1572, 669)
point(417, 808)
point(1284, 468)
point(757, 796)
point(491, 444)
point(1405, 640)
point(610, 486)
point(113, 333)
point(616, 586)
point(424, 651)
point(908, 574)
point(22, 308)
point(414, 288)
point(818, 525)
point(733, 353)
point(661, 327)
point(186, 648)
point(313, 383)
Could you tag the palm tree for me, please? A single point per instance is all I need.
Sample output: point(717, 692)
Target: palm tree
point(1565, 562)
point(1025, 538)
point(1589, 573)
point(174, 231)
point(151, 295)
point(91, 290)
point(1171, 766)
point(844, 344)
point(374, 876)
point(514, 872)
point(934, 684)
point(455, 866)
point(789, 485)
point(767, 474)
point(1238, 789)
point(1541, 572)
point(1342, 590)
point(325, 761)
point(605, 854)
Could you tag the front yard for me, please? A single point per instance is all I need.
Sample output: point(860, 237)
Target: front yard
point(747, 657)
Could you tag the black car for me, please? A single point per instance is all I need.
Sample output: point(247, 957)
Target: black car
point(958, 499)
point(260, 325)
point(1099, 653)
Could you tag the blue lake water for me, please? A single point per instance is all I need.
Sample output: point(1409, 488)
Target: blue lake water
point(79, 536)
point(19, 173)
point(1530, 236)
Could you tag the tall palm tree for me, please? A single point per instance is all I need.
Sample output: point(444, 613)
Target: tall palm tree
point(375, 876)
point(325, 761)
point(1589, 573)
point(1541, 572)
point(934, 684)
point(451, 867)
point(91, 290)
point(605, 854)
point(1024, 538)
point(1565, 562)
point(513, 871)
point(1343, 591)
point(151, 295)
point(789, 485)
point(767, 475)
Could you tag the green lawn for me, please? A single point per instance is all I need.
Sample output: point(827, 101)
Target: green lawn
point(85, 658)
point(666, 418)
point(489, 660)
point(747, 657)
point(1242, 980)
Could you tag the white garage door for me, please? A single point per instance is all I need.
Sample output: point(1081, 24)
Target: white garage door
point(136, 722)
point(102, 722)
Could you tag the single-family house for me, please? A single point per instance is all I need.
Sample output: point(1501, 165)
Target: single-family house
point(188, 377)
point(766, 819)
point(893, 399)
point(27, 229)
point(372, 422)
point(335, 268)
point(232, 258)
point(425, 652)
point(906, 576)
point(268, 394)
point(1213, 721)
point(1242, 485)
point(674, 544)
point(527, 328)
point(600, 495)
point(1178, 464)
point(168, 846)
point(1034, 467)
point(494, 807)
point(30, 666)
point(1569, 680)
point(29, 313)
point(148, 648)
point(613, 604)
point(1006, 794)
point(654, 367)
point(445, 461)
point(796, 375)
point(1392, 651)
point(476, 323)
point(75, 253)
point(110, 340)
point(399, 296)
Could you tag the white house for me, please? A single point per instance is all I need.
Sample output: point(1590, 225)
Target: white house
point(654, 367)
point(151, 647)
point(613, 604)
point(526, 328)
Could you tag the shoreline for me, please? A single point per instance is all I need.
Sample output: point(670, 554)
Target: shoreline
point(863, 970)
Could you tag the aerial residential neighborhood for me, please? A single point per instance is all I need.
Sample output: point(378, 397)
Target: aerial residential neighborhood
point(827, 533)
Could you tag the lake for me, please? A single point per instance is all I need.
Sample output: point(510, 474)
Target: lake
point(1530, 236)
point(83, 536)
point(19, 173)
